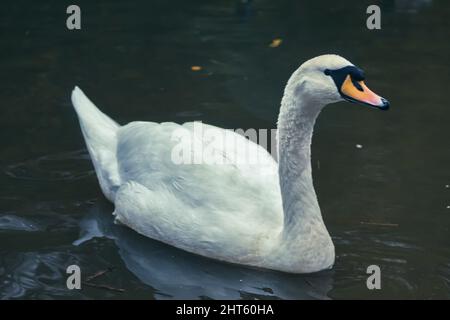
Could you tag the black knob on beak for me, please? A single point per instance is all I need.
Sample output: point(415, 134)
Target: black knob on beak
point(385, 104)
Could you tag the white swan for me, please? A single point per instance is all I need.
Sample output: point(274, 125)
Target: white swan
point(264, 214)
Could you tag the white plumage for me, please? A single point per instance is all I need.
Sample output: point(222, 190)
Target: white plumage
point(263, 214)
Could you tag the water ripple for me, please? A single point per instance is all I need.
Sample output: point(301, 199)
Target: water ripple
point(70, 166)
point(12, 222)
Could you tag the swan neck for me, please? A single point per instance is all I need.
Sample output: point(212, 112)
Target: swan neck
point(305, 244)
point(295, 129)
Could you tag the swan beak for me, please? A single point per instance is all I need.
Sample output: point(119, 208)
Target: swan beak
point(358, 92)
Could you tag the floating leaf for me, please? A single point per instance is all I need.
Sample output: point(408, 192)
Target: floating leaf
point(196, 68)
point(275, 43)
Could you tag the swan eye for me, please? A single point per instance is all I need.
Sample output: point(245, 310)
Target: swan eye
point(357, 84)
point(357, 74)
point(327, 72)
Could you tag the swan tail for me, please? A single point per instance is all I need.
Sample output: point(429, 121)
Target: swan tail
point(100, 135)
point(93, 121)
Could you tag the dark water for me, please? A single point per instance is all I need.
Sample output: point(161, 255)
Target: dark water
point(385, 203)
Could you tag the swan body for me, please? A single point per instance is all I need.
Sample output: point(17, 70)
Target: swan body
point(263, 214)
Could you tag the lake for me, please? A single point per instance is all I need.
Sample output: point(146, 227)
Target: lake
point(382, 178)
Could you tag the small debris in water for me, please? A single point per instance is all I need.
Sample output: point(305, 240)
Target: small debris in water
point(276, 43)
point(359, 146)
point(448, 207)
point(103, 286)
point(380, 224)
point(447, 186)
point(98, 274)
point(269, 290)
point(196, 68)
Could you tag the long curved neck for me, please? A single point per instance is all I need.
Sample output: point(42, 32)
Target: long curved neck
point(295, 129)
point(304, 243)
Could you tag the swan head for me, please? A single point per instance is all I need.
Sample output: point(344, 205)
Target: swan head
point(331, 78)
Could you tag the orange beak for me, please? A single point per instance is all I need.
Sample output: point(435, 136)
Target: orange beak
point(359, 92)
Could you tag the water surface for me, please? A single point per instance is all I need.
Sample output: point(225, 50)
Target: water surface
point(387, 203)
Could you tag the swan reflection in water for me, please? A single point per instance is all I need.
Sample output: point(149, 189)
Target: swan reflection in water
point(176, 274)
